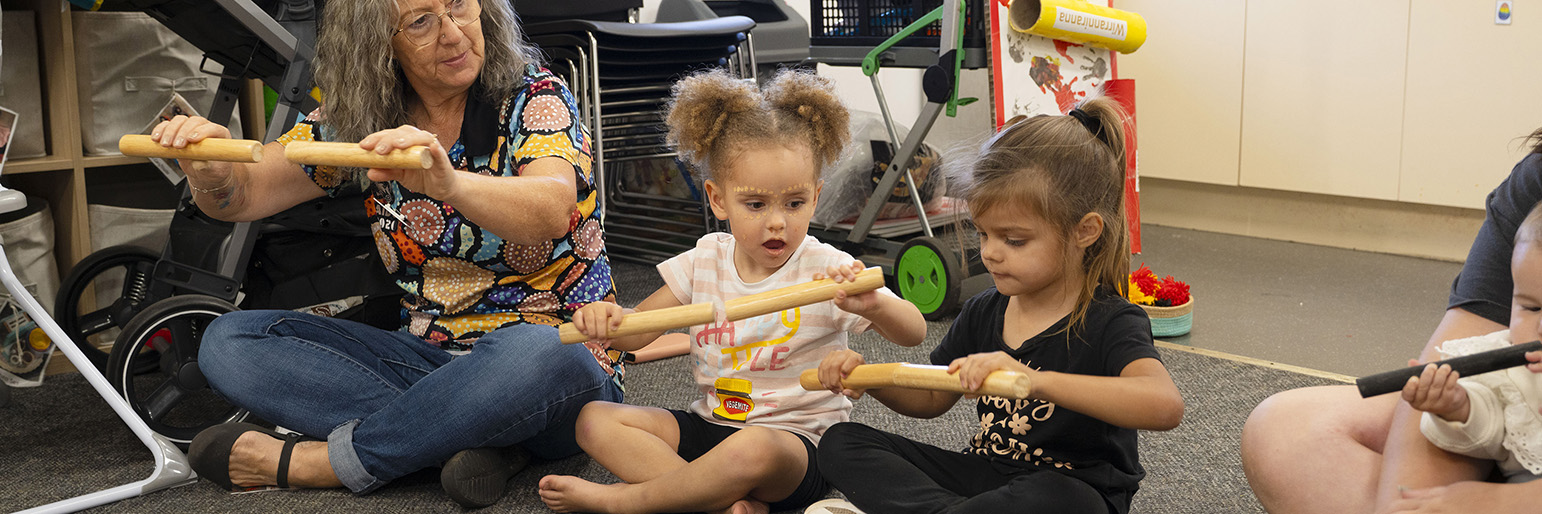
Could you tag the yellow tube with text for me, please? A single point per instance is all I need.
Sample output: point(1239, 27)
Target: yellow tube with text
point(1079, 21)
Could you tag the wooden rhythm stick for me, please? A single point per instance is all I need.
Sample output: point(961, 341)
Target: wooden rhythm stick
point(211, 149)
point(299, 152)
point(350, 155)
point(1005, 384)
point(737, 309)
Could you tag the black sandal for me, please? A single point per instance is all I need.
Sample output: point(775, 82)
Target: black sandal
point(209, 453)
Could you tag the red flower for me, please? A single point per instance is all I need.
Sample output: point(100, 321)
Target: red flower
point(1145, 280)
point(1172, 290)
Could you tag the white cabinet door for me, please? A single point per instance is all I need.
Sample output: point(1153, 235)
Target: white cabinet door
point(1322, 96)
point(1473, 89)
point(1188, 88)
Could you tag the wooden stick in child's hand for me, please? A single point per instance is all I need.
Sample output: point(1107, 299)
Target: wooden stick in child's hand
point(318, 153)
point(1466, 365)
point(736, 309)
point(1005, 384)
point(211, 149)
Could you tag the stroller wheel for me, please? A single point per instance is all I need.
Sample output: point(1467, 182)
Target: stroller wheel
point(927, 273)
point(173, 398)
point(124, 272)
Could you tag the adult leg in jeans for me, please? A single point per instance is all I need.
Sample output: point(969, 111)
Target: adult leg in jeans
point(518, 385)
point(921, 478)
point(390, 404)
point(309, 374)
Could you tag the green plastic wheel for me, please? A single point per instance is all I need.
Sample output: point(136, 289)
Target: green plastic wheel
point(927, 275)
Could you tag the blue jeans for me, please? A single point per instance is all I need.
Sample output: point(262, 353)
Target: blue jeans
point(389, 403)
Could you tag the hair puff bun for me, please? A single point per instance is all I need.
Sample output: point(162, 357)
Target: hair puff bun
point(812, 99)
point(704, 106)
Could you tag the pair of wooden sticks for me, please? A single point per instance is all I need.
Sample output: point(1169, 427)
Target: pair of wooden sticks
point(1004, 384)
point(1001, 383)
point(298, 152)
point(873, 376)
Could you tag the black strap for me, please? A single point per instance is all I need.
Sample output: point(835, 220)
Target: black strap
point(283, 460)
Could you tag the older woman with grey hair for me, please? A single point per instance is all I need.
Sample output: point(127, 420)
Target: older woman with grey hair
point(495, 244)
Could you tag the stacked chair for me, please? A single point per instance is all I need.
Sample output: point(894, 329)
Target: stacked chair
point(621, 74)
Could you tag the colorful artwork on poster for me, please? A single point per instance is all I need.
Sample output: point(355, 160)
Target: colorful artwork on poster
point(1038, 75)
point(1035, 75)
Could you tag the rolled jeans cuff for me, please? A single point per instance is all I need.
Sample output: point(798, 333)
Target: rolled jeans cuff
point(345, 461)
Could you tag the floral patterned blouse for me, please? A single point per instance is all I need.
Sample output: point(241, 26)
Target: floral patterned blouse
point(463, 281)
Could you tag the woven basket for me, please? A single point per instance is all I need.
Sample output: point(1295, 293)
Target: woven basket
point(1171, 321)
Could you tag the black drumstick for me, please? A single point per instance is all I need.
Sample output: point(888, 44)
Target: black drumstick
point(1467, 365)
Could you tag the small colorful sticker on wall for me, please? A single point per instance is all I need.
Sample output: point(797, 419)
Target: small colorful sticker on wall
point(1503, 12)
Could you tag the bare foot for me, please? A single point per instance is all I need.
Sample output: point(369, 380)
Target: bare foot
point(254, 462)
point(564, 493)
point(748, 506)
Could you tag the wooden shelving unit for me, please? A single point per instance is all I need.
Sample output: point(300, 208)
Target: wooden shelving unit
point(60, 176)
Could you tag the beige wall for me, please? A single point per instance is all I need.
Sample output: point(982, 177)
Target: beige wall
point(1381, 226)
point(1413, 101)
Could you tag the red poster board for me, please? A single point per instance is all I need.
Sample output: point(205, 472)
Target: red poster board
point(1123, 91)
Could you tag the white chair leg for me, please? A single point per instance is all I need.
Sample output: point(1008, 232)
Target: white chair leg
point(171, 468)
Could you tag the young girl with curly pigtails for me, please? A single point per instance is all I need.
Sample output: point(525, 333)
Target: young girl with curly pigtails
point(747, 444)
point(1046, 195)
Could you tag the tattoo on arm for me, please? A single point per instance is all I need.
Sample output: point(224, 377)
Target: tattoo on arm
point(225, 196)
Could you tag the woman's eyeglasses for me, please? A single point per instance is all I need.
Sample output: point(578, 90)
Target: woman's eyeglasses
point(423, 29)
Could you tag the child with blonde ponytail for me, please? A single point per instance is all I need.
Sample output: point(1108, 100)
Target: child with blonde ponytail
point(747, 444)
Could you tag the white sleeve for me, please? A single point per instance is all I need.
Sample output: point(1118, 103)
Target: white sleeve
point(1482, 436)
point(677, 273)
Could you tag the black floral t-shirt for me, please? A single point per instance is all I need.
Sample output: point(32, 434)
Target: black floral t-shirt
point(1039, 434)
point(463, 281)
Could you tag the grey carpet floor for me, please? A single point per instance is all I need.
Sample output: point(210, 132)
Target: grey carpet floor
point(60, 440)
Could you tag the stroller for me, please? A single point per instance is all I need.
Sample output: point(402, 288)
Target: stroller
point(318, 256)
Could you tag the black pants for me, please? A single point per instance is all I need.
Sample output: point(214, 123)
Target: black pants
point(699, 436)
point(884, 473)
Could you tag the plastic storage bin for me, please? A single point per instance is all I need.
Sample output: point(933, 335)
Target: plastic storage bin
point(867, 23)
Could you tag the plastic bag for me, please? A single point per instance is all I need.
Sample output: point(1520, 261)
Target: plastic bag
point(851, 179)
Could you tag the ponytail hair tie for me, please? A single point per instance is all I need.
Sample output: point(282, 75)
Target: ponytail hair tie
point(1091, 123)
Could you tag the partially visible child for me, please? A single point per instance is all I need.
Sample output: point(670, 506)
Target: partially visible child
point(749, 439)
point(1495, 416)
point(1046, 194)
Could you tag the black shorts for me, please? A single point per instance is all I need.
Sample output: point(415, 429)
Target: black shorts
point(698, 436)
